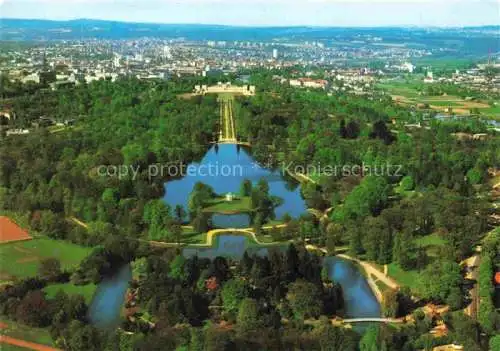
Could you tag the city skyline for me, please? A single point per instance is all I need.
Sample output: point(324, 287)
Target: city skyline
point(321, 13)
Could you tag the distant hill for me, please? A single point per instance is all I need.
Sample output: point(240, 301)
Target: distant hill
point(472, 40)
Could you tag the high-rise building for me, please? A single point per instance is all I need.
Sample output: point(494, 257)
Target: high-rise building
point(275, 54)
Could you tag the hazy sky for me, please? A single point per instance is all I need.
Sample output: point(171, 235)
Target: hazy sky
point(265, 13)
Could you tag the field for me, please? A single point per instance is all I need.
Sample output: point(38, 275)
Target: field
point(10, 231)
point(19, 331)
point(220, 205)
point(87, 291)
point(407, 93)
point(432, 244)
point(21, 259)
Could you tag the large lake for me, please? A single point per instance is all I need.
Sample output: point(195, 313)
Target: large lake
point(224, 167)
point(359, 299)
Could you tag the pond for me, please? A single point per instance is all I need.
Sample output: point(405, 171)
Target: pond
point(106, 306)
point(358, 296)
point(360, 302)
point(224, 167)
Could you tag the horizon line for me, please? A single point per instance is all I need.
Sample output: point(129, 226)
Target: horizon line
point(495, 25)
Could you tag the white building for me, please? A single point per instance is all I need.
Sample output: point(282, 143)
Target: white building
point(34, 77)
point(408, 67)
point(275, 54)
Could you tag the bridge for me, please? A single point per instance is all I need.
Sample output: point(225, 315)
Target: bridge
point(376, 320)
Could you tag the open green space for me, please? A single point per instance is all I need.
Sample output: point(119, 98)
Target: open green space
point(21, 259)
point(432, 244)
point(24, 332)
point(87, 291)
point(221, 205)
point(410, 278)
point(189, 236)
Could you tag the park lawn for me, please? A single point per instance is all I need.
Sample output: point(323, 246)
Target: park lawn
point(21, 259)
point(24, 332)
point(411, 278)
point(220, 205)
point(444, 103)
point(189, 236)
point(432, 244)
point(87, 291)
point(433, 239)
point(492, 111)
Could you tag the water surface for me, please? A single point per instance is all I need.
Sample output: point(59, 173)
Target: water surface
point(104, 311)
point(224, 167)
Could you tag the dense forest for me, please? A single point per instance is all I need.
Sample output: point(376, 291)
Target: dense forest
point(440, 191)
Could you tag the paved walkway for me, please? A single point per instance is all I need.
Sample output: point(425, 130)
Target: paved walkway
point(370, 269)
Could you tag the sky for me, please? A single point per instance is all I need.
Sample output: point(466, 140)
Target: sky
point(266, 12)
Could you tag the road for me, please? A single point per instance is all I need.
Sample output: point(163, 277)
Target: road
point(4, 339)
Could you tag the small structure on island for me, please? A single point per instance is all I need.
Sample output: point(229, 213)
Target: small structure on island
point(229, 197)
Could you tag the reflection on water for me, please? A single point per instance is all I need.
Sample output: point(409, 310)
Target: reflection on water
point(359, 298)
point(238, 220)
point(104, 311)
point(230, 246)
point(228, 156)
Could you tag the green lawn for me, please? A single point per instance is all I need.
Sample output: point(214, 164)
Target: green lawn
point(19, 331)
point(410, 279)
point(191, 237)
point(432, 244)
point(86, 290)
point(220, 205)
point(430, 240)
point(21, 259)
point(444, 103)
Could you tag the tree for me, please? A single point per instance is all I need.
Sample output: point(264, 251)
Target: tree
point(33, 309)
point(369, 341)
point(49, 268)
point(332, 338)
point(180, 213)
point(157, 216)
point(248, 316)
point(176, 231)
point(390, 303)
point(305, 299)
point(381, 131)
point(263, 186)
point(196, 339)
point(352, 130)
point(246, 188)
point(439, 279)
point(407, 183)
point(403, 249)
point(233, 292)
point(369, 197)
point(177, 268)
point(495, 343)
point(82, 336)
point(200, 194)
